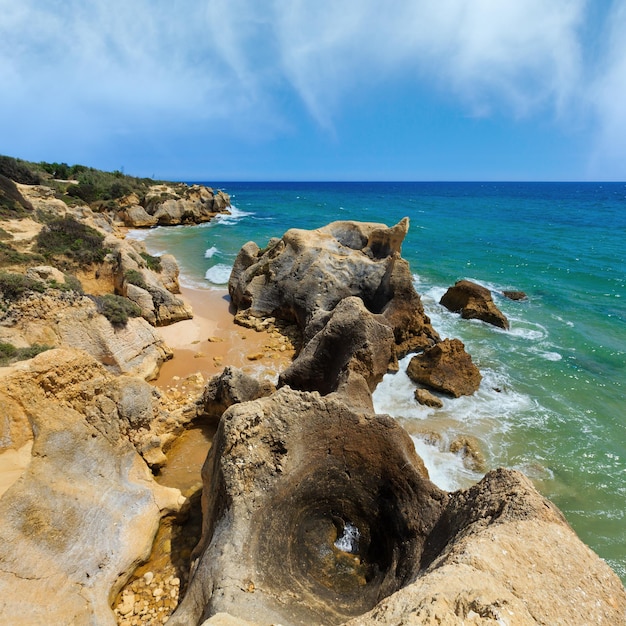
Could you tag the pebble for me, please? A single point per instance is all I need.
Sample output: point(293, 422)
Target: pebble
point(148, 577)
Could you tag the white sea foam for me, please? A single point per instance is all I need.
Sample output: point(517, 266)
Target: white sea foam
point(236, 215)
point(349, 539)
point(208, 254)
point(218, 274)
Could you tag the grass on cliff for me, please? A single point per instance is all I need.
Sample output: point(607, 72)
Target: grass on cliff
point(16, 286)
point(76, 184)
point(10, 354)
point(117, 309)
point(70, 238)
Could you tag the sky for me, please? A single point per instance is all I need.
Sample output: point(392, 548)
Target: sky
point(225, 90)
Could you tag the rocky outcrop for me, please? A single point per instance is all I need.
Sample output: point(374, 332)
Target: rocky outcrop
point(152, 290)
point(474, 301)
point(503, 554)
point(314, 512)
point(65, 318)
point(311, 513)
point(446, 367)
point(170, 205)
point(86, 509)
point(232, 386)
point(303, 278)
point(515, 295)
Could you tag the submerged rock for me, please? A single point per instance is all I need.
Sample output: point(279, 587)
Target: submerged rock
point(474, 301)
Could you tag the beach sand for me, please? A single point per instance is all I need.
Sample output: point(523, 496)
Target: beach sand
point(211, 341)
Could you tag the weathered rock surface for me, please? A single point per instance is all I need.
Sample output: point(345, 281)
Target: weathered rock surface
point(232, 386)
point(515, 295)
point(153, 291)
point(474, 301)
point(423, 396)
point(170, 205)
point(289, 475)
point(60, 318)
point(86, 509)
point(304, 276)
point(446, 367)
point(503, 554)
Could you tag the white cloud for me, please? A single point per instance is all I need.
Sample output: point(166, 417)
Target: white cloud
point(240, 63)
point(606, 94)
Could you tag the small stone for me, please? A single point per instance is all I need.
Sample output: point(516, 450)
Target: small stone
point(175, 582)
point(424, 397)
point(255, 356)
point(158, 592)
point(148, 577)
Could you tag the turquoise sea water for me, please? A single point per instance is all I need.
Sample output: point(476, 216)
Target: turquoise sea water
point(553, 398)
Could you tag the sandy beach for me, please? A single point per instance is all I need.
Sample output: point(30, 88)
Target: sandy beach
point(211, 340)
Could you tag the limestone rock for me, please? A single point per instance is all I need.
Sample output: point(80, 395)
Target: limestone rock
point(135, 216)
point(502, 554)
point(46, 274)
point(473, 301)
point(230, 387)
point(289, 479)
point(304, 276)
point(446, 367)
point(181, 204)
point(351, 340)
point(69, 319)
point(85, 511)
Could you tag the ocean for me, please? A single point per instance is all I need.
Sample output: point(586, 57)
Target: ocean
point(552, 402)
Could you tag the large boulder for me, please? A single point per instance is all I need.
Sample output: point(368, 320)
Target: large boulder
point(474, 301)
point(352, 343)
point(312, 512)
point(85, 510)
point(446, 367)
point(304, 276)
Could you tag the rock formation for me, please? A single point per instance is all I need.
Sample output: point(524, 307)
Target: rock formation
point(474, 301)
point(86, 509)
point(446, 367)
point(314, 513)
point(349, 292)
point(170, 205)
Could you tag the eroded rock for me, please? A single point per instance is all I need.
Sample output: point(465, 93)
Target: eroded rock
point(86, 509)
point(474, 301)
point(312, 512)
point(446, 367)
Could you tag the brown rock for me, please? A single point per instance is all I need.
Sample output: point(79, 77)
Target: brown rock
point(230, 387)
point(446, 367)
point(515, 295)
point(135, 216)
point(502, 554)
point(423, 396)
point(473, 301)
point(284, 478)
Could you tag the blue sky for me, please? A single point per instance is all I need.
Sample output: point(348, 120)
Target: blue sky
point(223, 90)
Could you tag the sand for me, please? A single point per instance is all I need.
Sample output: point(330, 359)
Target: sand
point(212, 340)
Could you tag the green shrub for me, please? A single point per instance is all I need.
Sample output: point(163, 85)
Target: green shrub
point(117, 309)
point(12, 203)
point(70, 238)
point(10, 256)
point(14, 286)
point(85, 191)
point(152, 262)
point(20, 171)
point(135, 278)
point(4, 235)
point(9, 353)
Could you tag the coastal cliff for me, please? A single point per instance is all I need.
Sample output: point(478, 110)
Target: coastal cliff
point(315, 510)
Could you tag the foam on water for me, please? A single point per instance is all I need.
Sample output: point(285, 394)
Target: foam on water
point(235, 216)
point(219, 274)
point(210, 252)
point(348, 541)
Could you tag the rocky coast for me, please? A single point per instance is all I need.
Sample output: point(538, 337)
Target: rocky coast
point(310, 508)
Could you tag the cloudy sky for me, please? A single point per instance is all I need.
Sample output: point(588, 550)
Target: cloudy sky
point(318, 89)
